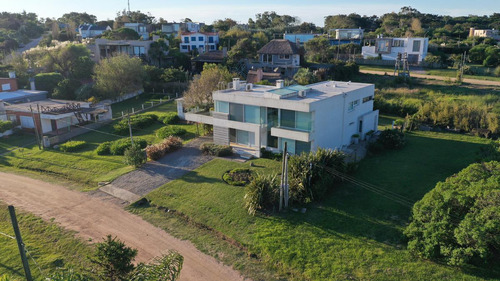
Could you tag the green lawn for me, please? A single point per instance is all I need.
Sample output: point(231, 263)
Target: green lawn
point(136, 103)
point(448, 72)
point(352, 234)
point(48, 244)
point(83, 167)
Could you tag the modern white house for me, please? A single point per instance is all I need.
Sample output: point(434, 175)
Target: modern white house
point(201, 41)
point(389, 48)
point(91, 30)
point(491, 33)
point(105, 48)
point(326, 114)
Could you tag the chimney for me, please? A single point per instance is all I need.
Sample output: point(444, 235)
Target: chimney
point(32, 84)
point(236, 84)
point(12, 74)
point(280, 84)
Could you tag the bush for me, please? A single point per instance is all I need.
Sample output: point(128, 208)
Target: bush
point(136, 121)
point(157, 151)
point(71, 146)
point(309, 175)
point(392, 139)
point(216, 150)
point(264, 153)
point(168, 131)
point(262, 193)
point(66, 89)
point(459, 220)
point(497, 71)
point(47, 81)
point(169, 118)
point(134, 156)
point(118, 147)
point(238, 177)
point(5, 126)
point(104, 148)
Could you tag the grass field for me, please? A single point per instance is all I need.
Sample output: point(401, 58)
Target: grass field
point(49, 245)
point(351, 234)
point(448, 72)
point(83, 167)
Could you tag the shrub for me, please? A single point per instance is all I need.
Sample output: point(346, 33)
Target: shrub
point(309, 175)
point(392, 139)
point(47, 81)
point(71, 146)
point(136, 121)
point(459, 220)
point(216, 150)
point(118, 147)
point(262, 193)
point(497, 71)
point(6, 125)
point(170, 118)
point(238, 177)
point(157, 151)
point(264, 153)
point(168, 131)
point(134, 156)
point(104, 148)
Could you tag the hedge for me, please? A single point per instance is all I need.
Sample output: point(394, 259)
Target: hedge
point(72, 146)
point(169, 118)
point(168, 131)
point(47, 81)
point(216, 150)
point(5, 126)
point(157, 151)
point(118, 147)
point(136, 121)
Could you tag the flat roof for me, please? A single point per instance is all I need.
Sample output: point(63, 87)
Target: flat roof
point(47, 103)
point(314, 92)
point(6, 96)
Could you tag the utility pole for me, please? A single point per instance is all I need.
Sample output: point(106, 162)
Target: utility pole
point(20, 244)
point(36, 129)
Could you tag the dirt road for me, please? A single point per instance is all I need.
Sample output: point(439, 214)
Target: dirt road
point(93, 218)
point(442, 78)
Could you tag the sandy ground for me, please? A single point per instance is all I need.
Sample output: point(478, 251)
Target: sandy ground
point(93, 218)
point(442, 78)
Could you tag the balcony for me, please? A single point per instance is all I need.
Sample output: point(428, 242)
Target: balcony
point(291, 133)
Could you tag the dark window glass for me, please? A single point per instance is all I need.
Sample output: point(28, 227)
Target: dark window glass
point(287, 118)
point(236, 112)
point(301, 146)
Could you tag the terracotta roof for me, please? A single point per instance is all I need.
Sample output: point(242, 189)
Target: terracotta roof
point(279, 47)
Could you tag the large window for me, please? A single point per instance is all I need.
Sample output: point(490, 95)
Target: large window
point(252, 114)
point(398, 43)
point(210, 39)
point(222, 106)
point(200, 38)
point(295, 119)
point(383, 46)
point(186, 39)
point(138, 50)
point(236, 112)
point(295, 146)
point(416, 46)
point(193, 38)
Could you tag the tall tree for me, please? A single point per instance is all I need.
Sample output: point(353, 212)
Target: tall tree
point(200, 89)
point(118, 75)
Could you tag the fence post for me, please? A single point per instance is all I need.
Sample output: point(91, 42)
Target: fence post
point(122, 113)
point(20, 244)
point(142, 106)
point(133, 110)
point(160, 100)
point(152, 103)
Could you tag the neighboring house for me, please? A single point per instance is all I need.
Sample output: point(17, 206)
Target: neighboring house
point(326, 114)
point(171, 28)
point(216, 57)
point(279, 55)
point(201, 41)
point(300, 38)
point(389, 48)
point(54, 117)
point(141, 29)
point(10, 94)
point(346, 36)
point(491, 33)
point(193, 26)
point(91, 30)
point(105, 48)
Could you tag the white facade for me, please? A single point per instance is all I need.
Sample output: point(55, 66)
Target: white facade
point(325, 114)
point(91, 31)
point(201, 41)
point(491, 33)
point(140, 28)
point(389, 48)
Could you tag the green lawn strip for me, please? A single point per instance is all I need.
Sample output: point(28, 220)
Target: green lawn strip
point(352, 234)
point(48, 244)
point(84, 167)
point(136, 103)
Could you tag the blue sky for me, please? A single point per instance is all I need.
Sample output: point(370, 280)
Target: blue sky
point(207, 11)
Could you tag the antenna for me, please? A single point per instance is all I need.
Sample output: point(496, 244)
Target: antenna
point(128, 3)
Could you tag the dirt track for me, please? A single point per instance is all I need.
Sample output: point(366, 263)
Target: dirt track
point(442, 78)
point(94, 218)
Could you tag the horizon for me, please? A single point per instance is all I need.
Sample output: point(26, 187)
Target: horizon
point(200, 11)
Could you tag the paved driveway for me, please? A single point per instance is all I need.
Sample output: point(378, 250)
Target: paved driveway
point(154, 174)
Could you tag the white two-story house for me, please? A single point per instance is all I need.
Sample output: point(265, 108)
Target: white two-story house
point(389, 48)
point(326, 114)
point(201, 41)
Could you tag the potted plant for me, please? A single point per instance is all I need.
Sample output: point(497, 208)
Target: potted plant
point(355, 138)
point(369, 135)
